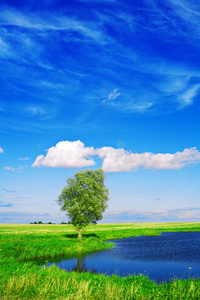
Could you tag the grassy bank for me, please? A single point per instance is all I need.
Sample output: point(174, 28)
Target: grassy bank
point(22, 278)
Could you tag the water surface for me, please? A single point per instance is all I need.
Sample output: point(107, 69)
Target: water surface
point(162, 258)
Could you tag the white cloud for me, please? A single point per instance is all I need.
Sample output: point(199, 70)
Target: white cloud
point(51, 22)
point(67, 154)
point(1, 150)
point(9, 168)
point(173, 214)
point(119, 160)
point(26, 42)
point(187, 97)
point(138, 107)
point(22, 167)
point(36, 110)
point(13, 169)
point(23, 158)
point(113, 95)
point(5, 49)
point(22, 197)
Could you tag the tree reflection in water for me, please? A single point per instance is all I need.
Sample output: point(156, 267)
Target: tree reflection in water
point(81, 266)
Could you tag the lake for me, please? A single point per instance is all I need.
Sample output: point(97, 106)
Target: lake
point(166, 257)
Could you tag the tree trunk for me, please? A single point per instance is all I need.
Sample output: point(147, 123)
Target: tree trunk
point(79, 234)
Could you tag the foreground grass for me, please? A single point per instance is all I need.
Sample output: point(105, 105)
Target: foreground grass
point(22, 278)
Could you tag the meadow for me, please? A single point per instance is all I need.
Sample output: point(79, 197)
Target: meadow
point(22, 278)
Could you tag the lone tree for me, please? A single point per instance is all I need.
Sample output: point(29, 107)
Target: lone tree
point(84, 198)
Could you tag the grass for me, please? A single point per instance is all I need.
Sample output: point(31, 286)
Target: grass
point(22, 278)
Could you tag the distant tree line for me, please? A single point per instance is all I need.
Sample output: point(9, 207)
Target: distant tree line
point(40, 222)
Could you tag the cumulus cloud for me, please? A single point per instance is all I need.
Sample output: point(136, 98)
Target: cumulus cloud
point(1, 150)
point(119, 160)
point(68, 154)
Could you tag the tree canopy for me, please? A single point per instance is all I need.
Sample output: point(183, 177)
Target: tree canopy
point(84, 198)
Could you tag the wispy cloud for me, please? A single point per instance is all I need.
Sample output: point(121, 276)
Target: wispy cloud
point(113, 95)
point(36, 110)
point(23, 197)
point(188, 13)
point(11, 216)
point(68, 154)
point(139, 107)
point(22, 167)
point(3, 204)
point(5, 51)
point(188, 97)
point(9, 168)
point(126, 104)
point(50, 22)
point(23, 158)
point(9, 191)
point(148, 80)
point(187, 213)
point(1, 150)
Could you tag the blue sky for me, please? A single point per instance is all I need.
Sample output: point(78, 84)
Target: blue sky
point(89, 84)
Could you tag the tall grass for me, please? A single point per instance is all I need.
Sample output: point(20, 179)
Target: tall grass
point(22, 278)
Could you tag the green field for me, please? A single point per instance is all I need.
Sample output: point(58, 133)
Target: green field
point(22, 278)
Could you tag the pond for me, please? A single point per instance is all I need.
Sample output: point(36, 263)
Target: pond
point(162, 258)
